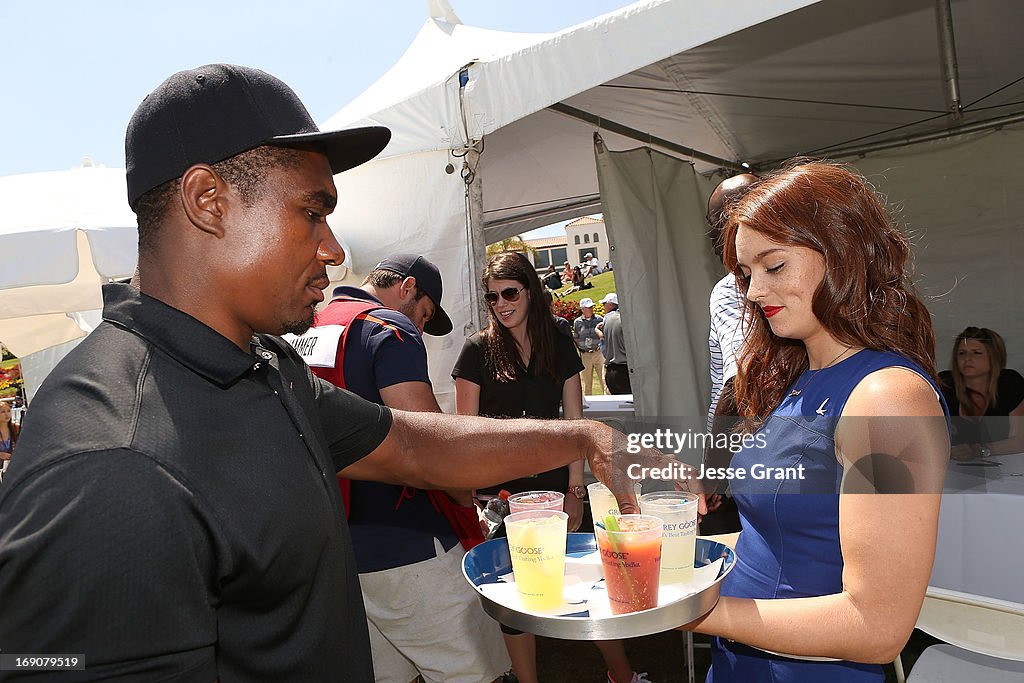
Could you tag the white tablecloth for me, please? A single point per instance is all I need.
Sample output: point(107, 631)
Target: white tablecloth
point(614, 406)
point(981, 541)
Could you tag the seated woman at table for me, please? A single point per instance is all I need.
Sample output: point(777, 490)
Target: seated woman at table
point(836, 386)
point(985, 398)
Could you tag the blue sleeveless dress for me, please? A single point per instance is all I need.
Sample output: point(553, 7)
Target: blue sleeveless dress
point(789, 547)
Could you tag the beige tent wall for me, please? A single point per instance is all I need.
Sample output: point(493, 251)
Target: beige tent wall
point(426, 214)
point(959, 198)
point(962, 200)
point(664, 269)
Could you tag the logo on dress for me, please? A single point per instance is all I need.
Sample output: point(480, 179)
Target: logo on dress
point(821, 409)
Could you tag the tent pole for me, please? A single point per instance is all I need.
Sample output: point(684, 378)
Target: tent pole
point(640, 136)
point(476, 243)
point(947, 51)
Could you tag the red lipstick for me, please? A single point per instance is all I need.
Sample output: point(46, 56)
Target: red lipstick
point(769, 311)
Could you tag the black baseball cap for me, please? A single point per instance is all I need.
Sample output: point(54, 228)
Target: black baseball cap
point(212, 113)
point(428, 278)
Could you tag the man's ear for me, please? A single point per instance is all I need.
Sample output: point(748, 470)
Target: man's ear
point(204, 199)
point(407, 290)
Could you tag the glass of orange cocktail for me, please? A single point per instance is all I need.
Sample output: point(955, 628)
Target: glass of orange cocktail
point(630, 547)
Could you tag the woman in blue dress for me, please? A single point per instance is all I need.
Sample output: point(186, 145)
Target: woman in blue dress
point(837, 388)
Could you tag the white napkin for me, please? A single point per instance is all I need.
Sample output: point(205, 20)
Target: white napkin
point(584, 592)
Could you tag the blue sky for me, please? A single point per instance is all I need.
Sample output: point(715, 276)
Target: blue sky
point(73, 72)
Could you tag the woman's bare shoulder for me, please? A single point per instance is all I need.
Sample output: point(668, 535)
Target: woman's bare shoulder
point(894, 391)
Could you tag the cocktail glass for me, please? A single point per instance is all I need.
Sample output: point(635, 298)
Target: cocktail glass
point(536, 542)
point(602, 502)
point(536, 500)
point(678, 509)
point(631, 556)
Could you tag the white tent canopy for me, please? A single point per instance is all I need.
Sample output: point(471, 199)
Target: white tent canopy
point(717, 82)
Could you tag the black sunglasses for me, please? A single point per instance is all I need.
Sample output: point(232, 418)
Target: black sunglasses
point(509, 294)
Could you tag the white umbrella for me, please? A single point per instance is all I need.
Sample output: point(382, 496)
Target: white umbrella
point(63, 234)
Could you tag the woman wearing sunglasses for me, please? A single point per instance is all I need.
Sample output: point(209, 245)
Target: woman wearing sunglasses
point(522, 366)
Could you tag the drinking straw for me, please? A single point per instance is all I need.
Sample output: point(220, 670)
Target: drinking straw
point(612, 524)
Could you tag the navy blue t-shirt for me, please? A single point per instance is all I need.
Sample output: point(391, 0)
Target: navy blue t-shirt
point(388, 529)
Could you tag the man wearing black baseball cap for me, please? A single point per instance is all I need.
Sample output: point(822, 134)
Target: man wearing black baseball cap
point(217, 111)
point(423, 276)
point(173, 512)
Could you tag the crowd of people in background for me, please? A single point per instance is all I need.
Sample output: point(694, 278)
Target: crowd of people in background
point(574, 278)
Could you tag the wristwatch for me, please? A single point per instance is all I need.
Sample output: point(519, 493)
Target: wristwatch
point(577, 491)
point(985, 451)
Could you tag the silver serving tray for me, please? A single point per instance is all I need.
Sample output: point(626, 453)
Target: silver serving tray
point(489, 560)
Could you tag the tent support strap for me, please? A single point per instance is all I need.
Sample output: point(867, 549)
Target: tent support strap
point(947, 51)
point(645, 138)
point(912, 139)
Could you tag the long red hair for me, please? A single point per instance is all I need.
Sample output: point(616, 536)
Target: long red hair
point(865, 297)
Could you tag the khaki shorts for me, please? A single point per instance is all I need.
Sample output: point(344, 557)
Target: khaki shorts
point(426, 619)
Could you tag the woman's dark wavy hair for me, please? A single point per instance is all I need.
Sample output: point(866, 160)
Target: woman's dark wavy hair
point(500, 349)
point(865, 298)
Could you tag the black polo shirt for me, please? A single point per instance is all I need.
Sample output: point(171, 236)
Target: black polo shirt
point(173, 512)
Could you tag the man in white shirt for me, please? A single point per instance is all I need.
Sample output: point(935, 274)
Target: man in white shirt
point(725, 342)
point(726, 301)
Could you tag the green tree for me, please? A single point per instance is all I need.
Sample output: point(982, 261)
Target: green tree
point(514, 243)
